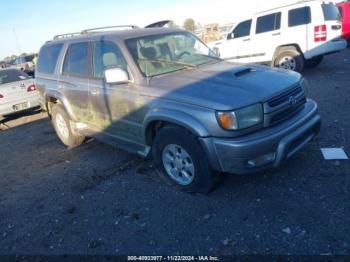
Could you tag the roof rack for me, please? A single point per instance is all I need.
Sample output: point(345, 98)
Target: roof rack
point(92, 30)
point(56, 37)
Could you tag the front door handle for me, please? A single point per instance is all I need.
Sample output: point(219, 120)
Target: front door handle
point(275, 34)
point(246, 40)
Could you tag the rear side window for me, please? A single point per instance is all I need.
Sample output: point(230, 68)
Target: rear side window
point(242, 29)
point(48, 58)
point(268, 23)
point(106, 55)
point(330, 12)
point(29, 58)
point(299, 16)
point(12, 75)
point(76, 60)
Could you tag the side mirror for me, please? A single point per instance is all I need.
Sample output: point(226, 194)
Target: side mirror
point(116, 76)
point(230, 36)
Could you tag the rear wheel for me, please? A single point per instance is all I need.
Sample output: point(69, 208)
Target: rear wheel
point(313, 62)
point(62, 124)
point(181, 161)
point(289, 59)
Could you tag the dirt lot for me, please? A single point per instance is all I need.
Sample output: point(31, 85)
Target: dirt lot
point(95, 199)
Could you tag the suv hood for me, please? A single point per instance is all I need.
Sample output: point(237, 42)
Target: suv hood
point(224, 85)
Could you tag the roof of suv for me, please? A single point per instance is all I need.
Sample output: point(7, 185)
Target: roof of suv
point(120, 34)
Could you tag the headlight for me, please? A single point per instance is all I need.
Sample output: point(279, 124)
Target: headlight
point(241, 118)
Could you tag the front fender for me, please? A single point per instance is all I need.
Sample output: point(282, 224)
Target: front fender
point(176, 117)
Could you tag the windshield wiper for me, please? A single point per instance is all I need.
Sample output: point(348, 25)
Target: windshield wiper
point(169, 62)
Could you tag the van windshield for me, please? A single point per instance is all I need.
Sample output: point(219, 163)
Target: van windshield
point(331, 12)
point(165, 53)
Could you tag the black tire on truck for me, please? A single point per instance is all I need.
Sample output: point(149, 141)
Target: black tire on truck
point(62, 124)
point(289, 58)
point(181, 161)
point(313, 62)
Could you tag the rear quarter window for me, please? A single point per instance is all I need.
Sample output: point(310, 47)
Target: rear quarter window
point(299, 16)
point(9, 76)
point(331, 12)
point(48, 58)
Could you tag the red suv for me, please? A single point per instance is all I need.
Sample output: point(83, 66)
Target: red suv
point(344, 9)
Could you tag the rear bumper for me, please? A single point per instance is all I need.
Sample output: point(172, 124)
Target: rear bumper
point(281, 142)
point(8, 107)
point(326, 48)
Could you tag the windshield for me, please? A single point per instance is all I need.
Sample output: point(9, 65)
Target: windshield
point(161, 54)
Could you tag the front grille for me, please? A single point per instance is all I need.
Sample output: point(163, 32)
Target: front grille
point(288, 113)
point(284, 106)
point(276, 101)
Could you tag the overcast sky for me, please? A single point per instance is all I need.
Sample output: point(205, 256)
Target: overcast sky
point(36, 21)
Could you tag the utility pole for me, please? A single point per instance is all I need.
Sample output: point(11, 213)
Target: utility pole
point(17, 42)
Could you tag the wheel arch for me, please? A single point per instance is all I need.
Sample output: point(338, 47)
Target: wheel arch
point(286, 47)
point(156, 120)
point(55, 97)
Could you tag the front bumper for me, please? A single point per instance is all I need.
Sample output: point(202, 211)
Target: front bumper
point(8, 107)
point(282, 141)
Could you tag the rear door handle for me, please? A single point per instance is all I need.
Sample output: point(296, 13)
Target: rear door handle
point(246, 40)
point(275, 34)
point(336, 27)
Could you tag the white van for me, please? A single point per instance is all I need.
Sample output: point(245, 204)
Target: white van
point(289, 37)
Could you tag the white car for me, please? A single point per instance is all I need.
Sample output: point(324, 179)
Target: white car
point(17, 92)
point(289, 37)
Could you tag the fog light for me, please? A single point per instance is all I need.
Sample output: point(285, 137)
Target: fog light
point(261, 160)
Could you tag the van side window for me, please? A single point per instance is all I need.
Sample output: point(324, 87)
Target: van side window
point(299, 16)
point(106, 55)
point(331, 12)
point(242, 29)
point(268, 23)
point(48, 58)
point(76, 60)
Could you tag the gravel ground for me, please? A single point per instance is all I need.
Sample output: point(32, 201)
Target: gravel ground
point(96, 199)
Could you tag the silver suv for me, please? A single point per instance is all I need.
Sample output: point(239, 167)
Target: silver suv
point(162, 92)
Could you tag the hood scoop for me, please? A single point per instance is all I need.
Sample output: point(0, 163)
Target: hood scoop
point(244, 71)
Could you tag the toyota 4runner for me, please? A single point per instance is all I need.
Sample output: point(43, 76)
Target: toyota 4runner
point(162, 92)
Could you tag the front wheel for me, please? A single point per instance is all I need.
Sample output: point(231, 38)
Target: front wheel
point(181, 161)
point(62, 124)
point(290, 60)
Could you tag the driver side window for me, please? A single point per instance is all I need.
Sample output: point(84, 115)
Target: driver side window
point(242, 29)
point(106, 55)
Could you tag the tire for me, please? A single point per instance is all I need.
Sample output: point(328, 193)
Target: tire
point(313, 62)
point(62, 124)
point(200, 179)
point(289, 59)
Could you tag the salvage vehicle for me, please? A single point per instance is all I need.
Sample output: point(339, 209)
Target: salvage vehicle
point(17, 92)
point(344, 9)
point(162, 92)
point(289, 37)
